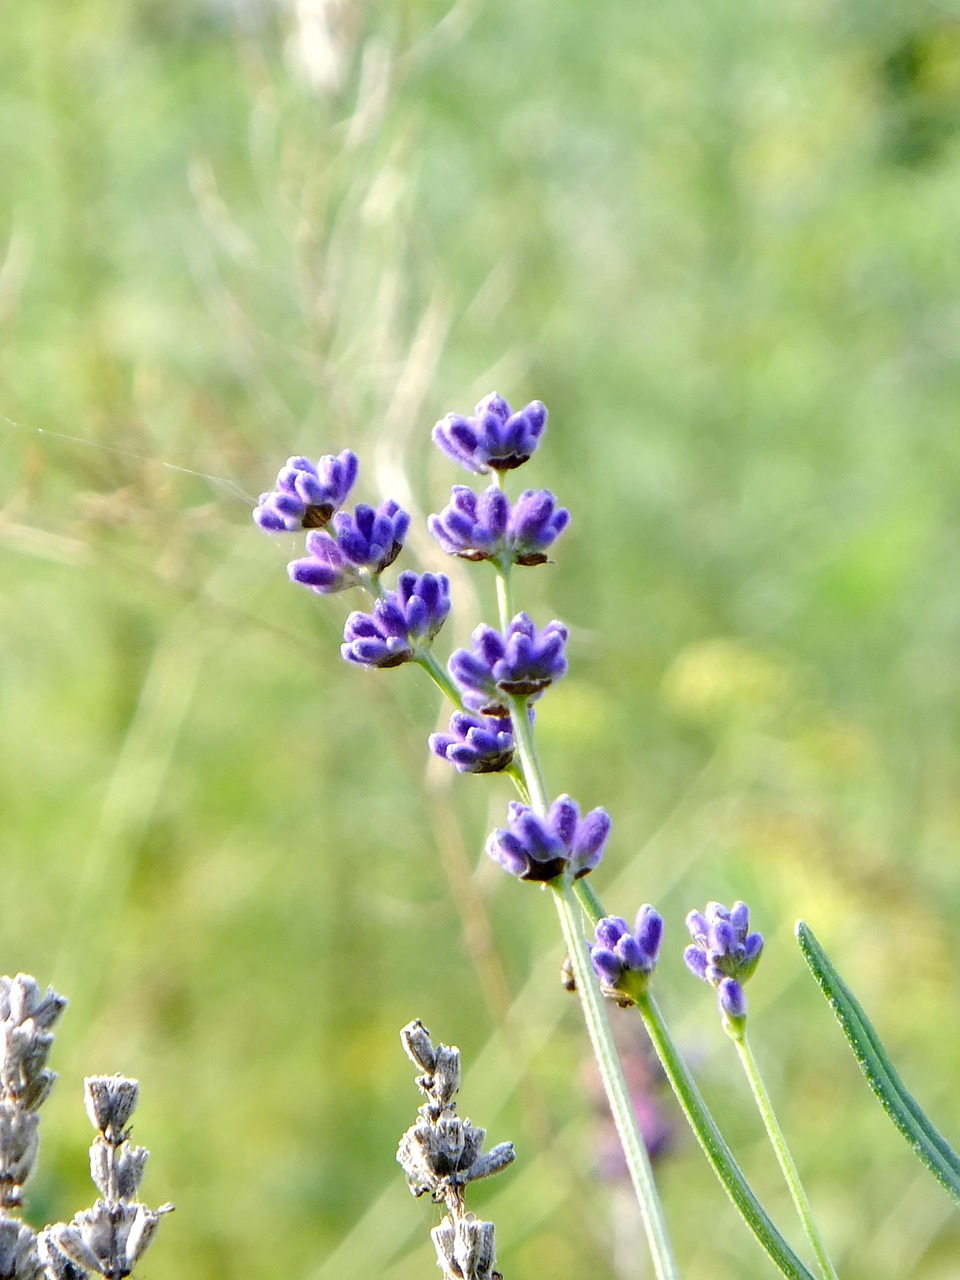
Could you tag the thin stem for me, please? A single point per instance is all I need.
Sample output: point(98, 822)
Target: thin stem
point(426, 659)
point(618, 1096)
point(505, 606)
point(529, 759)
point(714, 1148)
point(785, 1159)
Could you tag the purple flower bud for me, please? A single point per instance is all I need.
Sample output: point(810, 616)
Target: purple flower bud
point(484, 527)
point(536, 848)
point(535, 524)
point(306, 496)
point(623, 959)
point(401, 622)
point(724, 953)
point(372, 538)
point(495, 439)
point(472, 526)
point(521, 664)
point(475, 744)
point(324, 569)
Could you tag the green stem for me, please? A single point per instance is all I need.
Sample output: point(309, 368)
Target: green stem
point(785, 1159)
point(714, 1148)
point(621, 1106)
point(426, 659)
point(618, 1096)
point(529, 759)
point(702, 1123)
point(505, 606)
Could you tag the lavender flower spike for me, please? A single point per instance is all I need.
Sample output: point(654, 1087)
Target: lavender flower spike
point(521, 664)
point(494, 439)
point(362, 546)
point(475, 744)
point(484, 527)
point(725, 954)
point(402, 621)
point(536, 848)
point(622, 959)
point(306, 496)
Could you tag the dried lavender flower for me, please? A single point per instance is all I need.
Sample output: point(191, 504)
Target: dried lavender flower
point(306, 496)
point(495, 438)
point(475, 744)
point(402, 621)
point(724, 953)
point(441, 1154)
point(536, 848)
point(110, 1238)
point(466, 1248)
point(19, 1259)
point(624, 958)
point(521, 664)
point(485, 527)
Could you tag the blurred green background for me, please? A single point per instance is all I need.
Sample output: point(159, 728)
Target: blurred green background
point(720, 242)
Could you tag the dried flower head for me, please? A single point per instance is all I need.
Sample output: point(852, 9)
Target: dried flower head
point(441, 1154)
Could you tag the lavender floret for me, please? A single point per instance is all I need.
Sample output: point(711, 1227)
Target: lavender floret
point(402, 622)
point(521, 664)
point(536, 848)
point(725, 954)
point(485, 527)
point(623, 959)
point(495, 438)
point(475, 744)
point(361, 546)
point(306, 496)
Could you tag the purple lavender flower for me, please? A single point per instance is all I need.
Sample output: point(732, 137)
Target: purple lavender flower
point(494, 439)
point(402, 622)
point(536, 848)
point(623, 959)
point(325, 569)
point(475, 744)
point(362, 546)
point(535, 524)
point(306, 496)
point(484, 527)
point(521, 664)
point(725, 954)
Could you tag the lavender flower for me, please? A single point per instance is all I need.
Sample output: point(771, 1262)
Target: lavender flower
point(475, 744)
point(536, 848)
point(622, 959)
point(402, 621)
point(306, 496)
point(111, 1238)
point(495, 439)
point(362, 545)
point(725, 954)
point(441, 1154)
point(484, 527)
point(521, 664)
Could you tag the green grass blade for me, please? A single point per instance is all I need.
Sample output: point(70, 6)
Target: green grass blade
point(900, 1105)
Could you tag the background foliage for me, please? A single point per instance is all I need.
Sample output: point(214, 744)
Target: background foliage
point(720, 243)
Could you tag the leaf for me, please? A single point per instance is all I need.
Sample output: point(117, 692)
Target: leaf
point(899, 1104)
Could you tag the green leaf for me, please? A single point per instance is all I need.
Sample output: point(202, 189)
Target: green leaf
point(900, 1105)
